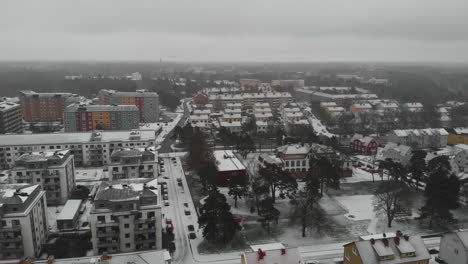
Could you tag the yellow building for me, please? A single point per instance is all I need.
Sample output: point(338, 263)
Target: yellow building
point(395, 248)
point(458, 136)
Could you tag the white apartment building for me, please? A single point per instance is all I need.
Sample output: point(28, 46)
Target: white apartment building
point(388, 107)
point(234, 127)
point(201, 112)
point(126, 216)
point(275, 99)
point(420, 138)
point(127, 163)
point(397, 153)
point(53, 170)
point(199, 119)
point(231, 118)
point(23, 220)
point(263, 116)
point(235, 111)
point(461, 158)
point(88, 148)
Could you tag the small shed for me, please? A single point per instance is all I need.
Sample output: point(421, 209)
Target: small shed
point(69, 215)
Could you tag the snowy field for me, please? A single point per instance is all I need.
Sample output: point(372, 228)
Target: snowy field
point(360, 208)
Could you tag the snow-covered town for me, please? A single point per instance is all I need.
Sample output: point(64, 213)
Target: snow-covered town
point(240, 172)
point(233, 132)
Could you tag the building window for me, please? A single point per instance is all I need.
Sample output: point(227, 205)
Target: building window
point(127, 245)
point(127, 235)
point(101, 219)
point(127, 225)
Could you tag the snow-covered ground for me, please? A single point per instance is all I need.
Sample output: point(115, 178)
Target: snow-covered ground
point(360, 208)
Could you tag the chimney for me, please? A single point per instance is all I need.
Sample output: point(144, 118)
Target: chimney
point(372, 241)
point(261, 254)
point(397, 240)
point(51, 259)
point(283, 251)
point(385, 242)
point(399, 233)
point(406, 237)
point(384, 235)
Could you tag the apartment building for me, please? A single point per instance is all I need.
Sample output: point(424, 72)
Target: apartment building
point(363, 144)
point(11, 118)
point(127, 163)
point(387, 248)
point(458, 135)
point(454, 247)
point(53, 170)
point(23, 220)
point(45, 107)
point(288, 83)
point(275, 99)
point(397, 153)
point(101, 117)
point(234, 127)
point(249, 82)
point(360, 107)
point(295, 158)
point(126, 216)
point(146, 102)
point(88, 148)
point(412, 107)
point(420, 138)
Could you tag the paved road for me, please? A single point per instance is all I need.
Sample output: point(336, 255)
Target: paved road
point(166, 144)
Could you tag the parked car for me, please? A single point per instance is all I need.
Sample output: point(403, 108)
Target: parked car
point(166, 197)
point(180, 184)
point(191, 228)
point(168, 221)
point(162, 169)
point(187, 212)
point(179, 180)
point(192, 235)
point(166, 203)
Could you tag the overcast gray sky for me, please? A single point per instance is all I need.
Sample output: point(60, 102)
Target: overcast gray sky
point(242, 30)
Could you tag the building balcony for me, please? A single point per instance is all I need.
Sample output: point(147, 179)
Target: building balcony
point(11, 239)
point(112, 223)
point(108, 243)
point(10, 228)
point(107, 234)
point(145, 230)
point(145, 220)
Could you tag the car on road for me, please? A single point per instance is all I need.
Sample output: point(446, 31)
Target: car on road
point(191, 228)
point(166, 203)
point(180, 184)
point(179, 179)
point(186, 204)
point(165, 177)
point(187, 212)
point(192, 235)
point(168, 221)
point(162, 169)
point(173, 159)
point(166, 197)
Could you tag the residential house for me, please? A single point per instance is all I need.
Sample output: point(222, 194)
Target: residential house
point(363, 144)
point(457, 135)
point(228, 166)
point(420, 138)
point(272, 253)
point(412, 107)
point(360, 107)
point(397, 153)
point(395, 249)
point(453, 247)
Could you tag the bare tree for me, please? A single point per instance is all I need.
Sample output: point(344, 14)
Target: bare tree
point(389, 198)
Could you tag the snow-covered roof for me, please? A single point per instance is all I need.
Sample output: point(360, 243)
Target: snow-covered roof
point(294, 149)
point(335, 109)
point(362, 105)
point(69, 138)
point(230, 124)
point(199, 117)
point(413, 105)
point(263, 105)
point(388, 105)
point(419, 132)
point(271, 246)
point(263, 114)
point(294, 114)
point(143, 257)
point(261, 123)
point(327, 104)
point(280, 255)
point(16, 193)
point(236, 116)
point(69, 210)
point(291, 109)
point(371, 251)
point(461, 130)
point(227, 161)
point(201, 112)
point(5, 106)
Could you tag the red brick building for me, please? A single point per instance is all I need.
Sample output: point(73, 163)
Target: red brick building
point(229, 166)
point(43, 106)
point(364, 144)
point(200, 98)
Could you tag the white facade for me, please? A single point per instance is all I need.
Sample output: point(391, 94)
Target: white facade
point(397, 153)
point(233, 127)
point(421, 138)
point(133, 163)
point(126, 216)
point(88, 148)
point(461, 159)
point(54, 171)
point(453, 247)
point(23, 221)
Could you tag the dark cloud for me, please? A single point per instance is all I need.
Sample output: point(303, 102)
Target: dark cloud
point(415, 30)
